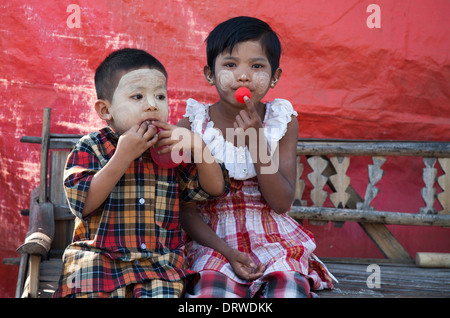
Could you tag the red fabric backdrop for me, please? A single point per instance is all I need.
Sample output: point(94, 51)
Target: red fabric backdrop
point(345, 79)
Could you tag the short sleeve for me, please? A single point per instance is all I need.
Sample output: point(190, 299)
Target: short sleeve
point(189, 187)
point(81, 166)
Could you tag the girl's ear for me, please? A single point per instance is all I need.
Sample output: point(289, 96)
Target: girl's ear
point(276, 78)
point(208, 75)
point(102, 107)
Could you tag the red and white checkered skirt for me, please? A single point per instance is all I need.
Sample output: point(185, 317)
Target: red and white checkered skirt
point(246, 222)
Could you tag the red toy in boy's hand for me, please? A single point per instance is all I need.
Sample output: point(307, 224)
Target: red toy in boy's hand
point(241, 92)
point(163, 160)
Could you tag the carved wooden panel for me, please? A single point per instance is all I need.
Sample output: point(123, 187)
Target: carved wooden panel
point(318, 195)
point(340, 181)
point(429, 192)
point(444, 183)
point(375, 174)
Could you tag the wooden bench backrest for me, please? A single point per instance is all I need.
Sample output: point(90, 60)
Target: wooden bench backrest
point(64, 220)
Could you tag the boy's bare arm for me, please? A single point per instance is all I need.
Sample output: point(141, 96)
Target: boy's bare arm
point(130, 146)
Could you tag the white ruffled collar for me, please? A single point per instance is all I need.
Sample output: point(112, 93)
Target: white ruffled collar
point(238, 160)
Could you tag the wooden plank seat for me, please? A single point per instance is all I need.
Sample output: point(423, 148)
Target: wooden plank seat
point(396, 279)
point(40, 262)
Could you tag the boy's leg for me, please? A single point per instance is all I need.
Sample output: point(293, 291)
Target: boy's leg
point(150, 289)
point(157, 288)
point(213, 284)
point(286, 285)
point(123, 292)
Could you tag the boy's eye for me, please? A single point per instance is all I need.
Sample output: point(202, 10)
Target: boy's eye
point(257, 66)
point(137, 96)
point(161, 97)
point(230, 65)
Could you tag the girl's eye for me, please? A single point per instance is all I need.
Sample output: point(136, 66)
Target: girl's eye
point(161, 97)
point(137, 96)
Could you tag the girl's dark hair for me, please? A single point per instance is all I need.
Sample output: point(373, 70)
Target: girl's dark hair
point(233, 31)
point(108, 73)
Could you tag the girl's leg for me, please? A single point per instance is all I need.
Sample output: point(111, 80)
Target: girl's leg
point(213, 284)
point(286, 285)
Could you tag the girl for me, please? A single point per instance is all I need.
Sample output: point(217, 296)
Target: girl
point(244, 244)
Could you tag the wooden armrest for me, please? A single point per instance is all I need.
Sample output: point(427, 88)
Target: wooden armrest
point(41, 228)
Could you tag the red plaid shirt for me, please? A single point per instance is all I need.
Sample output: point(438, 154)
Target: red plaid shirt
point(135, 235)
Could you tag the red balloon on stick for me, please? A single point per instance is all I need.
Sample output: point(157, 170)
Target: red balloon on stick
point(241, 92)
point(163, 160)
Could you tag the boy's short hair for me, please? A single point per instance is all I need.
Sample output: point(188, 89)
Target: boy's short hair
point(108, 73)
point(239, 29)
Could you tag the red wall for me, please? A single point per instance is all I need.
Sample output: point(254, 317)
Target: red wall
point(346, 80)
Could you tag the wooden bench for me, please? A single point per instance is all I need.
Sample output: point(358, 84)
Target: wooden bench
point(51, 223)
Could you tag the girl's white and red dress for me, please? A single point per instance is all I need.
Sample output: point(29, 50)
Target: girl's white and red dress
point(243, 218)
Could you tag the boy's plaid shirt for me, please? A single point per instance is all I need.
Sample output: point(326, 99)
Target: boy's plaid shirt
point(135, 235)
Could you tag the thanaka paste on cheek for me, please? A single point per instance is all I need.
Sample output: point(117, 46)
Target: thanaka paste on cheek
point(225, 80)
point(261, 81)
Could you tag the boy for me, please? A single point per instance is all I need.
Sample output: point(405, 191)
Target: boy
point(127, 239)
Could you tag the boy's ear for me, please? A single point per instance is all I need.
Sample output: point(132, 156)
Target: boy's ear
point(102, 108)
point(276, 78)
point(208, 75)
